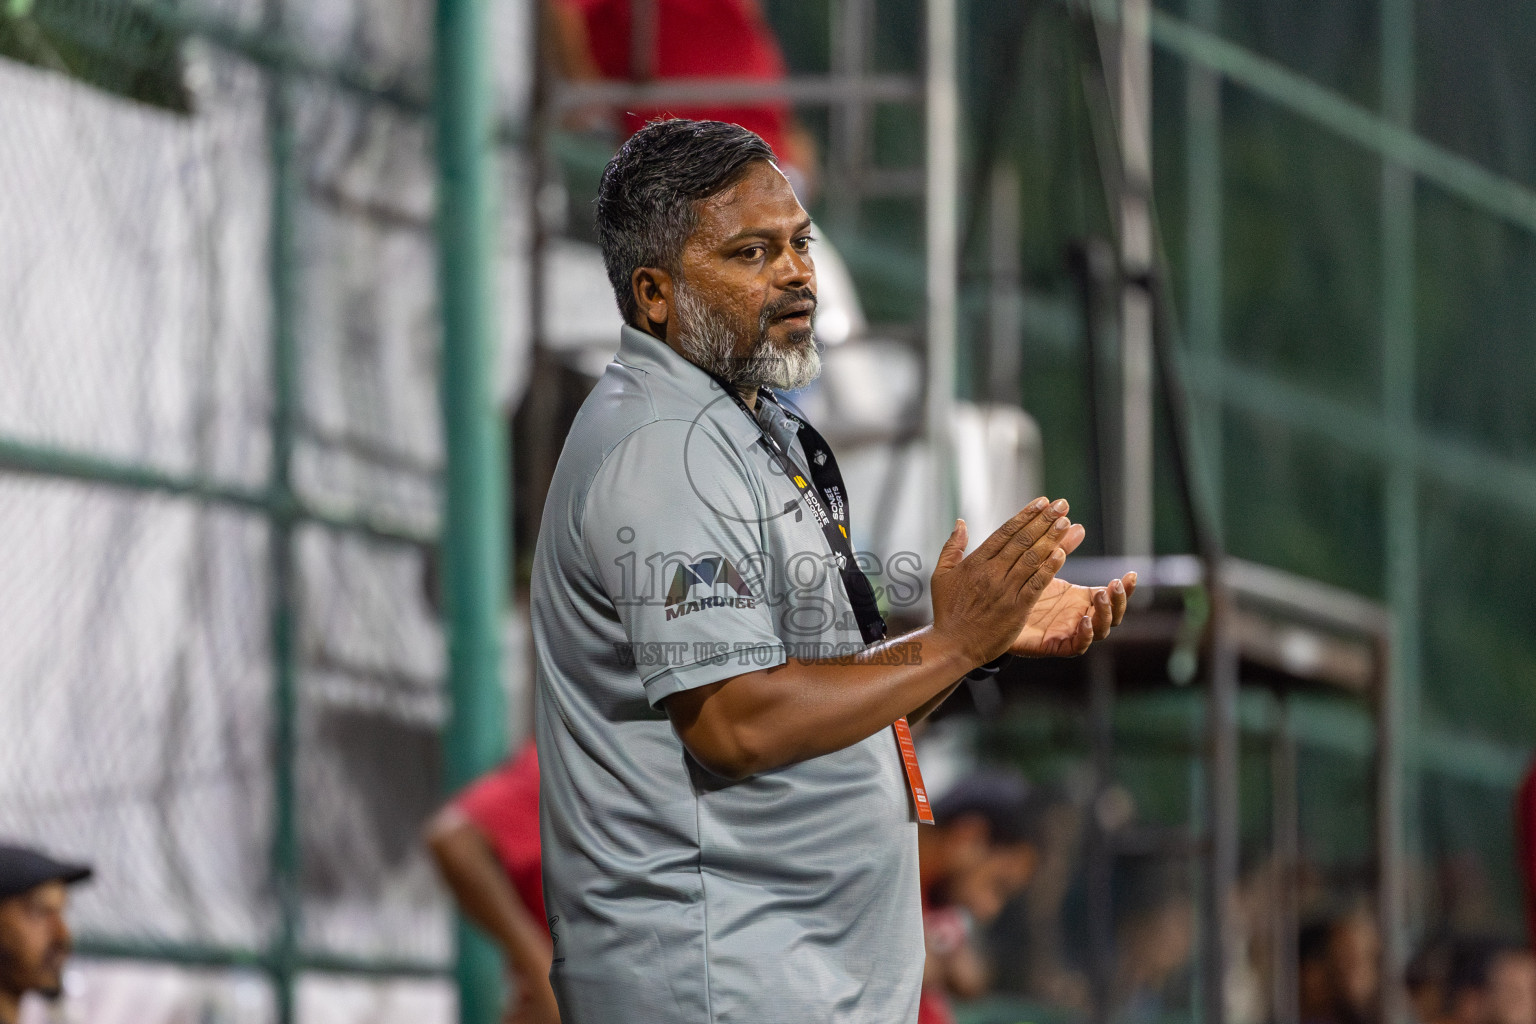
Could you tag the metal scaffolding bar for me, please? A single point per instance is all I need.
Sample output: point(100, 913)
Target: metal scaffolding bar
point(1004, 362)
point(1286, 839)
point(806, 90)
point(848, 115)
point(942, 200)
point(1220, 674)
point(1134, 130)
point(1098, 848)
point(1220, 937)
point(1391, 893)
point(1397, 770)
point(475, 513)
point(1203, 229)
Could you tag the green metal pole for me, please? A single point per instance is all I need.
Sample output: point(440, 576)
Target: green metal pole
point(1203, 177)
point(1399, 776)
point(282, 269)
point(474, 519)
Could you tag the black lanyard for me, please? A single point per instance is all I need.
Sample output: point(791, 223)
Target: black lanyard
point(827, 498)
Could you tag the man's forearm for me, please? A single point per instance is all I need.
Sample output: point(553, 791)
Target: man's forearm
point(932, 705)
point(481, 889)
point(803, 709)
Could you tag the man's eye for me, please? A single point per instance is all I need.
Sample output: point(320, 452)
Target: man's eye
point(803, 244)
point(752, 252)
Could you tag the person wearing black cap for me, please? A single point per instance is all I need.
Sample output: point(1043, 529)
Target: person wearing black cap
point(34, 938)
point(981, 853)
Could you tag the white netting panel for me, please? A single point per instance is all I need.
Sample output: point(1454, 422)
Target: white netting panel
point(372, 672)
point(136, 662)
point(137, 685)
point(370, 435)
point(135, 282)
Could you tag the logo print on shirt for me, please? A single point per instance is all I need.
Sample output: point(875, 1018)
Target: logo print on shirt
point(554, 939)
point(711, 573)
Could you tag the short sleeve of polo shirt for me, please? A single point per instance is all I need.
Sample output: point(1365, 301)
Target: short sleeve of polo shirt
point(672, 525)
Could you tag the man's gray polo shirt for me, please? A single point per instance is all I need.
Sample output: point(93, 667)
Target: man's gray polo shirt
point(674, 554)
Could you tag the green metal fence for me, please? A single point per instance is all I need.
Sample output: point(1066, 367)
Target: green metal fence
point(1414, 463)
point(1347, 214)
point(346, 477)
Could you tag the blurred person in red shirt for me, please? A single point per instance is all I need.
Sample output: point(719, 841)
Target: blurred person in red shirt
point(980, 853)
point(486, 846)
point(1525, 836)
point(694, 39)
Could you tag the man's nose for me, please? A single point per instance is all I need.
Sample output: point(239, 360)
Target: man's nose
point(797, 270)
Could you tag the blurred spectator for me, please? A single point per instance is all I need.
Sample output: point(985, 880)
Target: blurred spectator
point(693, 39)
point(1338, 968)
point(1036, 957)
point(486, 845)
point(34, 937)
point(1154, 935)
point(1264, 889)
point(1490, 982)
point(1425, 979)
point(1048, 974)
point(981, 852)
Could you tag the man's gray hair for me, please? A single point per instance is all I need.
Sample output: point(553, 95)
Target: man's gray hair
point(645, 204)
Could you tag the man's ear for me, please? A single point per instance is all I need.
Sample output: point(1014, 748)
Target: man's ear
point(652, 289)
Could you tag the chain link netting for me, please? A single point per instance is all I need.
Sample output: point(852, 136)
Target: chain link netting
point(135, 655)
point(137, 661)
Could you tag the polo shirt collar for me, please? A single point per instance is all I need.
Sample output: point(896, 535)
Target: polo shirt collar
point(654, 356)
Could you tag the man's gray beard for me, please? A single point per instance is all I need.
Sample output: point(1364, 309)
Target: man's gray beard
point(708, 341)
